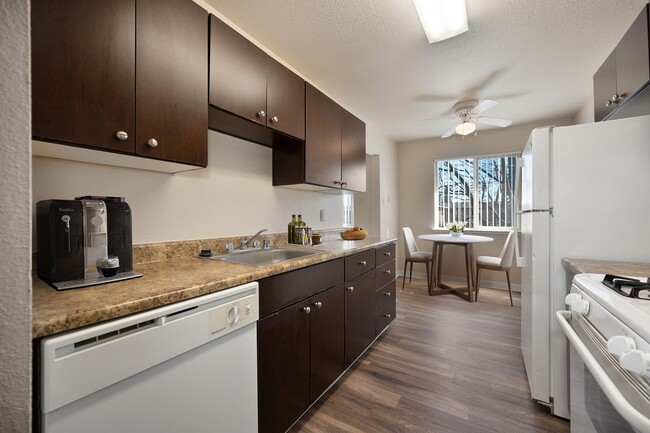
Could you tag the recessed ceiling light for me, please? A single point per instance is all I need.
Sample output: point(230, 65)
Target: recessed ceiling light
point(442, 19)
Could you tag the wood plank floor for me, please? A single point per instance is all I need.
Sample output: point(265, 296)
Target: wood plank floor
point(444, 365)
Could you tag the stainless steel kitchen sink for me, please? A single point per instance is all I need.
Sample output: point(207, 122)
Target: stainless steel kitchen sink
point(262, 257)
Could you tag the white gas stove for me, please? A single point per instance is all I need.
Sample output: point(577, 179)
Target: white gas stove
point(609, 332)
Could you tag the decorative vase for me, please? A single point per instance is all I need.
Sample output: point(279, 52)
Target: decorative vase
point(456, 234)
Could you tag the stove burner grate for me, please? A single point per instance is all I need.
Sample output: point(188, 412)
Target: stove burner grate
point(630, 287)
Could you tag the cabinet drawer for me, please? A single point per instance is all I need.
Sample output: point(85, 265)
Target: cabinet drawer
point(385, 254)
point(285, 289)
point(359, 263)
point(384, 317)
point(385, 295)
point(385, 273)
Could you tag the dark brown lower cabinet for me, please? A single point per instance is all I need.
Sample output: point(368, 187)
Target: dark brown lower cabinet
point(283, 351)
point(359, 315)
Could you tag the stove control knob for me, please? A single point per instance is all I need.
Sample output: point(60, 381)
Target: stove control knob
point(620, 344)
point(571, 298)
point(580, 306)
point(637, 362)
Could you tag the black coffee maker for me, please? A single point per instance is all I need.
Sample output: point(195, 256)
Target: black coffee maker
point(76, 238)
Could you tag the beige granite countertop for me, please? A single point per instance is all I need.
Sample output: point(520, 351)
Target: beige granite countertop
point(585, 266)
point(163, 282)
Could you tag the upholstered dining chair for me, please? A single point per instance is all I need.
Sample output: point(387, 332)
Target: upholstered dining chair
point(501, 263)
point(414, 255)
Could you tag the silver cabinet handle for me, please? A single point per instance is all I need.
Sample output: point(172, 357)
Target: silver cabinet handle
point(387, 272)
point(122, 135)
point(337, 182)
point(616, 97)
point(608, 103)
point(152, 142)
point(387, 254)
point(318, 304)
point(307, 310)
point(387, 294)
point(387, 316)
point(363, 263)
point(344, 183)
point(274, 119)
point(350, 289)
point(261, 114)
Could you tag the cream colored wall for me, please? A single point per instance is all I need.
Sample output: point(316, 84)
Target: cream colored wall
point(15, 231)
point(377, 143)
point(234, 195)
point(586, 112)
point(416, 162)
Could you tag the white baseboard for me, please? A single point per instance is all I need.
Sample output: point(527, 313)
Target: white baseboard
point(490, 284)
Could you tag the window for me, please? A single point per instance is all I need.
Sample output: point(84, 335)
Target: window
point(478, 191)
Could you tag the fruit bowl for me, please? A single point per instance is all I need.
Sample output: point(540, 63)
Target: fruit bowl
point(353, 235)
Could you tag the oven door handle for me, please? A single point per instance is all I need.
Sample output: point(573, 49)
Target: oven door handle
point(625, 409)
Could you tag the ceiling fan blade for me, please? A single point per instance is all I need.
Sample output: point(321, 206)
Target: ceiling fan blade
point(494, 121)
point(450, 131)
point(485, 104)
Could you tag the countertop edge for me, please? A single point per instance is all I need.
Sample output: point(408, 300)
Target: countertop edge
point(590, 266)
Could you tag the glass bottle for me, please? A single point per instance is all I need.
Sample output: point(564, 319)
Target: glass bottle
point(292, 225)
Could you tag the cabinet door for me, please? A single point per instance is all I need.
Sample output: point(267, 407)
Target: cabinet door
point(327, 339)
point(353, 152)
point(359, 315)
point(172, 80)
point(285, 100)
point(605, 88)
point(237, 73)
point(322, 139)
point(83, 72)
point(283, 367)
point(632, 58)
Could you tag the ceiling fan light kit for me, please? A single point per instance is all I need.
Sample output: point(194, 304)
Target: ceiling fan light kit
point(467, 114)
point(442, 19)
point(465, 128)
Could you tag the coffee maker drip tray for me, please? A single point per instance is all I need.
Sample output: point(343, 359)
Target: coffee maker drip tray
point(94, 281)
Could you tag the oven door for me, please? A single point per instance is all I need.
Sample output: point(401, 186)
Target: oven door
point(604, 397)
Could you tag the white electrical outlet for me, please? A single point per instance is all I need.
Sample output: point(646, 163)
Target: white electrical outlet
point(322, 215)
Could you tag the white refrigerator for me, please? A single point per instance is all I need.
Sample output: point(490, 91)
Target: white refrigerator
point(585, 193)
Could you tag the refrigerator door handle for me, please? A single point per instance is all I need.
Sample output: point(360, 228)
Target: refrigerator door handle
point(520, 261)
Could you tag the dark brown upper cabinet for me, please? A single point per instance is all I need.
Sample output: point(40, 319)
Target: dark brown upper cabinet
point(246, 82)
point(333, 155)
point(86, 90)
point(626, 70)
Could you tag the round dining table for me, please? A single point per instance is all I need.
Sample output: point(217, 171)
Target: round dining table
point(436, 286)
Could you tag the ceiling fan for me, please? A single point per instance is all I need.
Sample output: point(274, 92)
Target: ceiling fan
point(467, 114)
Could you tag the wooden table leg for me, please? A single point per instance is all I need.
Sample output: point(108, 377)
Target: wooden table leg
point(468, 269)
point(432, 280)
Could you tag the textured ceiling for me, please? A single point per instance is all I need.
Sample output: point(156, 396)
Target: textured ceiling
point(537, 57)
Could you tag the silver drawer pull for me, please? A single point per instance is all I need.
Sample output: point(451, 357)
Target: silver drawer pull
point(318, 304)
point(152, 142)
point(274, 119)
point(121, 135)
point(387, 293)
point(387, 316)
point(307, 310)
point(387, 272)
point(350, 289)
point(363, 263)
point(261, 114)
point(387, 254)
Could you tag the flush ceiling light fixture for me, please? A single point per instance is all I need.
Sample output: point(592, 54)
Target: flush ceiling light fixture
point(466, 127)
point(442, 19)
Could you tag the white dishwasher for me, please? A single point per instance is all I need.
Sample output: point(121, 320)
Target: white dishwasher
point(187, 367)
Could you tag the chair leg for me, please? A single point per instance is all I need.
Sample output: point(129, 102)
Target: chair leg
point(509, 288)
point(411, 274)
point(406, 262)
point(478, 281)
point(428, 280)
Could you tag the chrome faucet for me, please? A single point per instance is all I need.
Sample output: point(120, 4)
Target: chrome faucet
point(244, 244)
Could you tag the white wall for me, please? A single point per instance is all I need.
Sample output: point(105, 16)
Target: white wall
point(234, 195)
point(586, 112)
point(416, 186)
point(15, 230)
point(378, 143)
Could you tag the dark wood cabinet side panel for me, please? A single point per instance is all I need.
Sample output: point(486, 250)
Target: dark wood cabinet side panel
point(384, 254)
point(605, 88)
point(281, 290)
point(353, 152)
point(327, 339)
point(285, 100)
point(283, 352)
point(360, 316)
point(237, 72)
point(172, 80)
point(83, 72)
point(322, 139)
point(633, 58)
point(288, 161)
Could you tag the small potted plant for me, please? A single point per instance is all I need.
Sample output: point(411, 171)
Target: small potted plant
point(456, 228)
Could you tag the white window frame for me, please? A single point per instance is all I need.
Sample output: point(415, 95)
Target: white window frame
point(476, 204)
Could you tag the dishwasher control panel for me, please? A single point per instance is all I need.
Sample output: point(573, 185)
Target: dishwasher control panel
point(233, 315)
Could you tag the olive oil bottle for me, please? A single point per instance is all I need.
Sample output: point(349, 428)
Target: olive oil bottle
point(292, 225)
